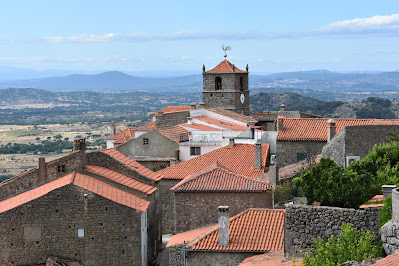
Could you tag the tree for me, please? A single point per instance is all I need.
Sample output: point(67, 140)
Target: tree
point(348, 246)
point(332, 185)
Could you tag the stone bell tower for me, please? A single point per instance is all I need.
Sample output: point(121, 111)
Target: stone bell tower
point(226, 86)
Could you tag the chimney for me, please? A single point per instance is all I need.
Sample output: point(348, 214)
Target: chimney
point(247, 68)
point(387, 190)
point(193, 106)
point(280, 125)
point(203, 68)
point(42, 170)
point(202, 105)
point(282, 107)
point(76, 145)
point(83, 150)
point(113, 128)
point(258, 156)
point(274, 177)
point(189, 120)
point(251, 125)
point(223, 214)
point(231, 142)
point(330, 129)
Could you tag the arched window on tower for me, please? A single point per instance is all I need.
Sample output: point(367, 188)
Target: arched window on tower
point(241, 83)
point(218, 83)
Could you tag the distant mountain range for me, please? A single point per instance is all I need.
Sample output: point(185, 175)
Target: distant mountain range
point(179, 81)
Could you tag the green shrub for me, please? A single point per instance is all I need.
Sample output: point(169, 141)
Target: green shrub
point(349, 245)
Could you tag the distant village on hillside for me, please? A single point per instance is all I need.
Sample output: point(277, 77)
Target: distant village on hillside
point(210, 183)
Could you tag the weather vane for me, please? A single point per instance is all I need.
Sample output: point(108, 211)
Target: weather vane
point(228, 48)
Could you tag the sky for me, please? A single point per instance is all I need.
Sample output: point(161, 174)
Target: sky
point(269, 36)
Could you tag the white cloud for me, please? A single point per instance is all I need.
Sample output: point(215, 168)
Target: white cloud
point(387, 26)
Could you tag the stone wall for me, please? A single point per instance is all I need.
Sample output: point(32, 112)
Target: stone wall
point(390, 230)
point(287, 151)
point(30, 179)
point(48, 226)
point(154, 165)
point(175, 255)
point(197, 209)
point(357, 141)
point(229, 96)
point(171, 119)
point(335, 149)
point(167, 205)
point(158, 146)
point(304, 223)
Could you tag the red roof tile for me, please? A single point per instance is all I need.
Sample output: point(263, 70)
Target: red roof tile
point(188, 236)
point(176, 133)
point(391, 260)
point(148, 127)
point(120, 178)
point(240, 158)
point(231, 114)
point(132, 164)
point(84, 181)
point(221, 123)
point(172, 109)
point(274, 258)
point(123, 136)
point(251, 230)
point(218, 178)
point(225, 67)
point(373, 199)
point(315, 129)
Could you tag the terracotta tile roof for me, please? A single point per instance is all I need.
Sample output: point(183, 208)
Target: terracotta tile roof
point(201, 127)
point(225, 67)
point(172, 109)
point(273, 258)
point(176, 133)
point(251, 230)
point(240, 158)
point(132, 164)
point(188, 236)
point(218, 178)
point(84, 181)
point(391, 260)
point(123, 136)
point(221, 123)
point(120, 178)
point(233, 115)
point(315, 129)
point(148, 127)
point(373, 199)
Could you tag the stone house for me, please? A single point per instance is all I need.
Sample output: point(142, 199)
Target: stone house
point(75, 206)
point(243, 159)
point(216, 186)
point(355, 142)
point(267, 120)
point(303, 138)
point(252, 232)
point(156, 149)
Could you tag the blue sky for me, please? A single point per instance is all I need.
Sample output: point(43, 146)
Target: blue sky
point(270, 36)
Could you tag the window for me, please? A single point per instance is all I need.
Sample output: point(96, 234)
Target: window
point(300, 156)
point(241, 83)
point(351, 159)
point(195, 150)
point(218, 83)
point(61, 168)
point(145, 141)
point(81, 232)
